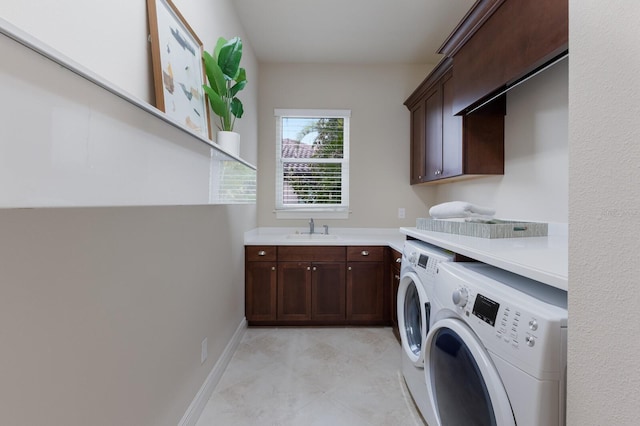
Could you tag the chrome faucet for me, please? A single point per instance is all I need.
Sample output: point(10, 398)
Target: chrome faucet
point(311, 226)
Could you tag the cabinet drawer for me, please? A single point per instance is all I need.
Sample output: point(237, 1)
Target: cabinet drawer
point(260, 253)
point(311, 253)
point(365, 254)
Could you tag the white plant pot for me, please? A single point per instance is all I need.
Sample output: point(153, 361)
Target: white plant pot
point(229, 141)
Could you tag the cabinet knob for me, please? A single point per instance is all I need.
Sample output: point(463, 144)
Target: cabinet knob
point(399, 260)
point(273, 268)
point(397, 277)
point(315, 269)
point(349, 268)
point(308, 268)
point(364, 253)
point(262, 253)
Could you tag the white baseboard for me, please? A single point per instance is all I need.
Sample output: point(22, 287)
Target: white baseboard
point(196, 407)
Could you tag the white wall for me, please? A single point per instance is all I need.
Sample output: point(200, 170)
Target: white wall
point(379, 138)
point(604, 212)
point(103, 310)
point(535, 182)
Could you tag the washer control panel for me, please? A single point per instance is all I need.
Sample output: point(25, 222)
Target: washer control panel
point(425, 258)
point(511, 326)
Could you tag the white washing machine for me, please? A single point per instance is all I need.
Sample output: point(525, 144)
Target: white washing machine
point(417, 273)
point(496, 351)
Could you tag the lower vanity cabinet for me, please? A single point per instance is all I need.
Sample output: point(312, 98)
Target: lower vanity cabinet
point(365, 285)
point(311, 284)
point(260, 283)
point(316, 285)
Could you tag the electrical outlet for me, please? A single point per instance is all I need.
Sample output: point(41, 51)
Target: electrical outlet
point(203, 351)
point(401, 213)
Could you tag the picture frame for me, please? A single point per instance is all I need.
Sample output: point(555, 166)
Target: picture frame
point(178, 67)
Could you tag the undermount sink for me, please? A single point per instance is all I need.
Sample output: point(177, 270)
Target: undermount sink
point(307, 236)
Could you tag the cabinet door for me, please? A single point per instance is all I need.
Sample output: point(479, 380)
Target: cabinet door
point(418, 155)
point(433, 135)
point(452, 160)
point(294, 291)
point(328, 291)
point(365, 289)
point(260, 291)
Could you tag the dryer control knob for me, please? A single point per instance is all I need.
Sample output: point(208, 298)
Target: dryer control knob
point(533, 325)
point(460, 297)
point(530, 341)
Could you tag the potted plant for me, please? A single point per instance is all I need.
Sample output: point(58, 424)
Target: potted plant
point(226, 79)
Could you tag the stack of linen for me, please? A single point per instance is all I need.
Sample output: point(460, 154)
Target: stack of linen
point(461, 211)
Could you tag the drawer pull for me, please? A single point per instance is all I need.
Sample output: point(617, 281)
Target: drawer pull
point(365, 253)
point(262, 253)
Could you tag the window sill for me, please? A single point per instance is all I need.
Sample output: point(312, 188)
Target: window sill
point(316, 214)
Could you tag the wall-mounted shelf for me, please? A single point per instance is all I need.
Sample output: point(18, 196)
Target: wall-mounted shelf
point(70, 138)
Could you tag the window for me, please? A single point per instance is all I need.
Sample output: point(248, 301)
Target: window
point(312, 170)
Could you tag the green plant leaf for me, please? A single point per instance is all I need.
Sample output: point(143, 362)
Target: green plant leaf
point(237, 87)
point(217, 104)
point(236, 108)
point(216, 50)
point(214, 75)
point(242, 75)
point(229, 58)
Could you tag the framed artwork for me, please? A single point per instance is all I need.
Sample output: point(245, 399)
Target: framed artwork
point(178, 68)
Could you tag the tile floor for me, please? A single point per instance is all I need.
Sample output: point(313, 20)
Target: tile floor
point(313, 376)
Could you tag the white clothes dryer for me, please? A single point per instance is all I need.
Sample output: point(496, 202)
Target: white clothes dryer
point(496, 351)
point(417, 273)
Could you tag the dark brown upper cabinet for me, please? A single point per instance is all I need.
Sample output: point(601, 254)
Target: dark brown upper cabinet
point(500, 42)
point(445, 146)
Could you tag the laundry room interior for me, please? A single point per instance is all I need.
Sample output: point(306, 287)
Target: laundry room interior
point(318, 212)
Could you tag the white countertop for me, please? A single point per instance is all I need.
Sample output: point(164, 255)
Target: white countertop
point(343, 237)
point(544, 259)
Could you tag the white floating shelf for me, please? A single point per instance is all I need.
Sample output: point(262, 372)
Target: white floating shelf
point(70, 138)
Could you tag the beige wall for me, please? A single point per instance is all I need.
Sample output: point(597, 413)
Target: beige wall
point(379, 154)
point(604, 213)
point(103, 310)
point(535, 182)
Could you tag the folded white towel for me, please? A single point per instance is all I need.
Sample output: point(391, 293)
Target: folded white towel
point(462, 209)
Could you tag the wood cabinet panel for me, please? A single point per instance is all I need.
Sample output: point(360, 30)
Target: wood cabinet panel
point(260, 291)
point(294, 291)
point(365, 254)
point(260, 253)
point(517, 37)
point(455, 146)
point(314, 291)
point(328, 291)
point(311, 253)
point(365, 289)
point(418, 155)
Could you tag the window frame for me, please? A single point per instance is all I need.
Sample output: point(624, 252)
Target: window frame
point(320, 211)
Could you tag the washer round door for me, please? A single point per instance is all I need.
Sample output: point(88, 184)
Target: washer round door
point(463, 384)
point(413, 316)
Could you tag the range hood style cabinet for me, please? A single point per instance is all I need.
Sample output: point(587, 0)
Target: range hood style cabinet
point(457, 112)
